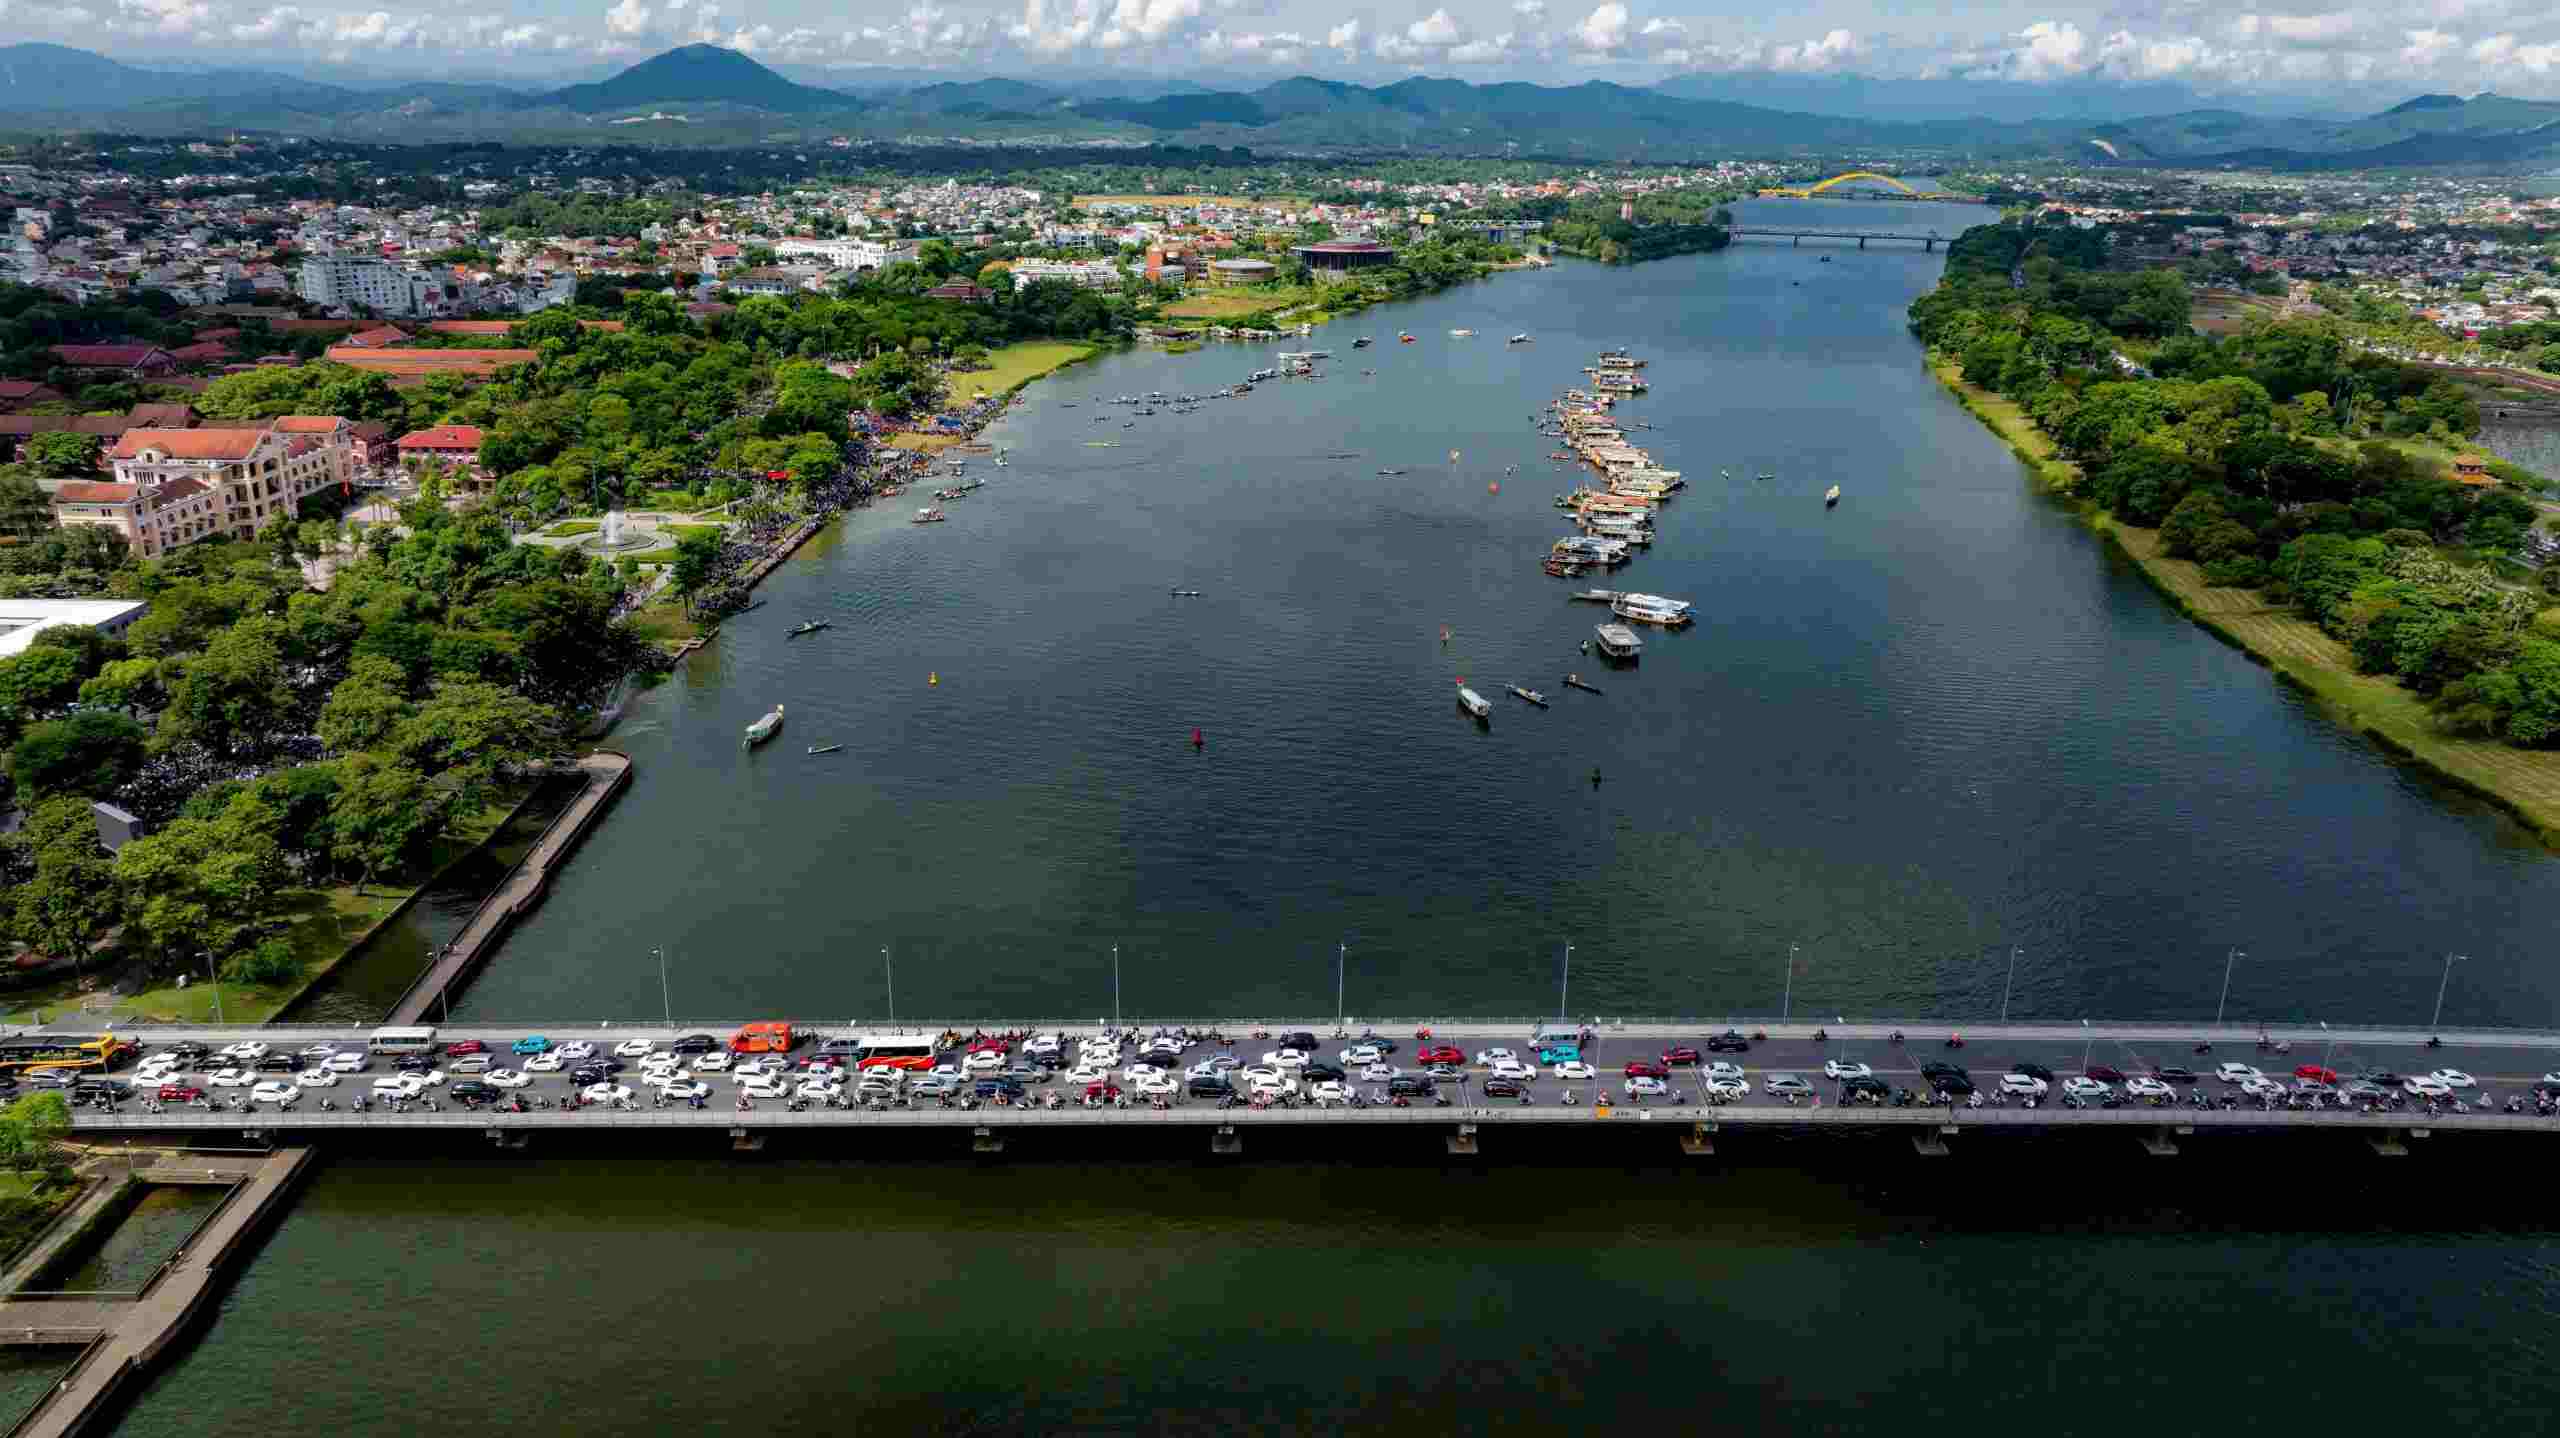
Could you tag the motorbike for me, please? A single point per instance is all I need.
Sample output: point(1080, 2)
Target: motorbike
point(1955, 1041)
point(1821, 1036)
point(1895, 1037)
point(2204, 1048)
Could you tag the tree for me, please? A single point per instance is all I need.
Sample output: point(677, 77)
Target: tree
point(31, 1128)
point(72, 893)
point(63, 454)
point(232, 697)
point(90, 753)
point(696, 563)
point(39, 680)
point(124, 684)
point(366, 707)
point(468, 732)
point(200, 884)
point(25, 509)
point(383, 815)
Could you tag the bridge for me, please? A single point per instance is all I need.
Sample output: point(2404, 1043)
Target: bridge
point(2503, 1063)
point(1899, 191)
point(1766, 232)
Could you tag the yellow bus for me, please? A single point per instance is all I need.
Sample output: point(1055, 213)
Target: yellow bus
point(106, 1051)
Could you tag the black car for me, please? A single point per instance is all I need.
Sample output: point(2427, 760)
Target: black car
point(414, 1063)
point(1728, 1042)
point(1410, 1086)
point(2172, 1073)
point(1206, 1087)
point(1050, 1061)
point(1866, 1084)
point(994, 1085)
point(695, 1044)
point(1302, 1041)
point(590, 1073)
point(1501, 1088)
point(474, 1091)
point(2032, 1070)
point(1320, 1073)
point(186, 1051)
point(2384, 1077)
point(92, 1090)
point(278, 1064)
point(1939, 1072)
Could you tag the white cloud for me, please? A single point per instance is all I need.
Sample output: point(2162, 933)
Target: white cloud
point(1136, 22)
point(160, 17)
point(1435, 29)
point(1831, 52)
point(1071, 28)
point(2050, 50)
point(1529, 9)
point(1603, 31)
point(1344, 37)
point(2427, 47)
point(2504, 53)
point(631, 17)
point(1491, 51)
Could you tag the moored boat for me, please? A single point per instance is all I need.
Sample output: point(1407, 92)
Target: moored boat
point(1650, 609)
point(763, 728)
point(824, 748)
point(811, 627)
point(1574, 681)
point(1618, 641)
point(1531, 695)
point(1831, 496)
point(1474, 703)
point(930, 515)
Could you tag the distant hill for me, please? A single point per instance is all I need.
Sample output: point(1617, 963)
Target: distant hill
point(2428, 130)
point(699, 74)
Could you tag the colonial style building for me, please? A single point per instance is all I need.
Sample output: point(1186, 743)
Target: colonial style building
point(176, 486)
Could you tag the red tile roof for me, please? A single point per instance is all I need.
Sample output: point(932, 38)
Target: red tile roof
point(81, 492)
point(307, 423)
point(444, 437)
point(105, 356)
point(178, 489)
point(426, 362)
point(201, 354)
point(191, 443)
point(379, 336)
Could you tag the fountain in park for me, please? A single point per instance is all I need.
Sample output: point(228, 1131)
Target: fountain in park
point(616, 535)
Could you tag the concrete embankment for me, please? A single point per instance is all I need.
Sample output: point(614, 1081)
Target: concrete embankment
point(608, 774)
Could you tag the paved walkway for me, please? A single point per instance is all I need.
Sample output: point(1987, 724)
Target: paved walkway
point(138, 1334)
point(607, 772)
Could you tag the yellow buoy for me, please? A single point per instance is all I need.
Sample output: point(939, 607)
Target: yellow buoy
point(934, 678)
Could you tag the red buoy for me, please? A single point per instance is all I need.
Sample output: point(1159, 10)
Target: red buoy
point(1196, 740)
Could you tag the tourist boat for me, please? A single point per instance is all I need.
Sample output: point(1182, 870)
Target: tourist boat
point(1619, 359)
point(1362, 343)
point(930, 515)
point(1618, 641)
point(1474, 703)
point(1532, 695)
point(1598, 596)
point(1462, 334)
point(824, 748)
point(762, 729)
point(812, 627)
point(1574, 681)
point(1765, 474)
point(1517, 340)
point(1185, 593)
point(1391, 473)
point(1831, 496)
point(1650, 609)
point(1562, 568)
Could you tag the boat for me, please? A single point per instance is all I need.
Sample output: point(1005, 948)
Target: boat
point(762, 729)
point(1362, 343)
point(824, 748)
point(751, 604)
point(930, 516)
point(1462, 334)
point(1618, 641)
point(1391, 473)
point(1651, 609)
point(812, 627)
point(1574, 681)
point(1598, 596)
point(1473, 703)
point(1517, 340)
point(1102, 444)
point(1185, 593)
point(1532, 695)
point(1831, 496)
point(1765, 474)
point(1403, 339)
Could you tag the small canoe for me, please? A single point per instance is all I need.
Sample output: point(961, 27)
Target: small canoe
point(812, 627)
point(824, 748)
point(1831, 496)
point(763, 728)
point(1574, 681)
point(1531, 695)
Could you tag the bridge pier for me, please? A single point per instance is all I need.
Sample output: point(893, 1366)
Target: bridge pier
point(511, 1140)
point(1225, 1140)
point(1796, 243)
point(1932, 1143)
point(745, 1140)
point(983, 1139)
point(1929, 246)
point(2159, 1144)
point(1699, 1141)
point(1862, 242)
point(1463, 1142)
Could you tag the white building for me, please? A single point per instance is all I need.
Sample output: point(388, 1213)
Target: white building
point(354, 281)
point(846, 254)
point(1086, 274)
point(22, 619)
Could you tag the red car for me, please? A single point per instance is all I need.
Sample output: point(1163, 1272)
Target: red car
point(990, 1046)
point(180, 1093)
point(2316, 1073)
point(467, 1046)
point(1647, 1068)
point(1680, 1054)
point(2103, 1073)
point(1441, 1054)
point(1105, 1092)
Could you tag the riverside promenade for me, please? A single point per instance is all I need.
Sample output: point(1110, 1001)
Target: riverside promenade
point(125, 1339)
point(608, 773)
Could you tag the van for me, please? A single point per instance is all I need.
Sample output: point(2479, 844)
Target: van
point(469, 1064)
point(773, 1037)
point(1555, 1036)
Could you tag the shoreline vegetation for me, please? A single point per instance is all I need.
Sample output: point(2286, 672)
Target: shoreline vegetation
point(2525, 783)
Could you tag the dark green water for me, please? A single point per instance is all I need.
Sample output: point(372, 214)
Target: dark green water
point(1845, 1288)
point(158, 1224)
point(25, 1373)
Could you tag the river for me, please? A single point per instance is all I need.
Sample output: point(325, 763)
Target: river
point(1910, 733)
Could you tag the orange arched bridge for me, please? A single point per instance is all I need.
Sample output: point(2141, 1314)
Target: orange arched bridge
point(1807, 192)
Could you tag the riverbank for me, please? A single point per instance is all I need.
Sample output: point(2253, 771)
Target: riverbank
point(2524, 782)
point(1008, 370)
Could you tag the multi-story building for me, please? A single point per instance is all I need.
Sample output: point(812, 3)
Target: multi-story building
point(356, 281)
point(1087, 274)
point(244, 478)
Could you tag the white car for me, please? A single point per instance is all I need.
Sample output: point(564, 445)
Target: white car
point(2148, 1088)
point(1329, 1091)
point(1576, 1069)
point(1259, 1073)
point(159, 1070)
point(276, 1092)
point(246, 1051)
point(2426, 1088)
point(230, 1078)
point(320, 1051)
point(680, 1089)
point(982, 1062)
point(1086, 1075)
point(2263, 1087)
point(711, 1064)
point(1781, 1085)
point(661, 1066)
point(1136, 1072)
point(399, 1086)
point(316, 1078)
point(1643, 1087)
point(606, 1093)
point(2235, 1073)
point(1361, 1055)
point(505, 1078)
point(1285, 1059)
point(1206, 1069)
point(764, 1086)
point(819, 1090)
point(1725, 1070)
point(1837, 1069)
point(2454, 1078)
point(346, 1063)
point(576, 1049)
point(549, 1063)
point(1271, 1085)
point(1726, 1089)
point(1490, 1057)
point(2027, 1085)
point(1381, 1072)
point(756, 1068)
point(2083, 1086)
point(634, 1048)
point(1512, 1069)
point(1155, 1085)
point(1042, 1044)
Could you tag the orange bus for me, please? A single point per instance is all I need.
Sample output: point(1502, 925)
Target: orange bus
point(106, 1051)
point(893, 1051)
point(764, 1038)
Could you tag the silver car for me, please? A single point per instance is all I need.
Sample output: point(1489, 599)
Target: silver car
point(1780, 1085)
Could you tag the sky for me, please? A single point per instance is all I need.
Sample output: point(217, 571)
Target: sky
point(2347, 59)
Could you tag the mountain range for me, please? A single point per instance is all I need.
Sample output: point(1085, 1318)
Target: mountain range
point(707, 95)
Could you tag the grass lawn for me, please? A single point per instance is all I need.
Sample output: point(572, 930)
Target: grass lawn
point(2011, 423)
point(925, 443)
point(665, 623)
point(688, 531)
point(571, 528)
point(1230, 304)
point(1016, 365)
